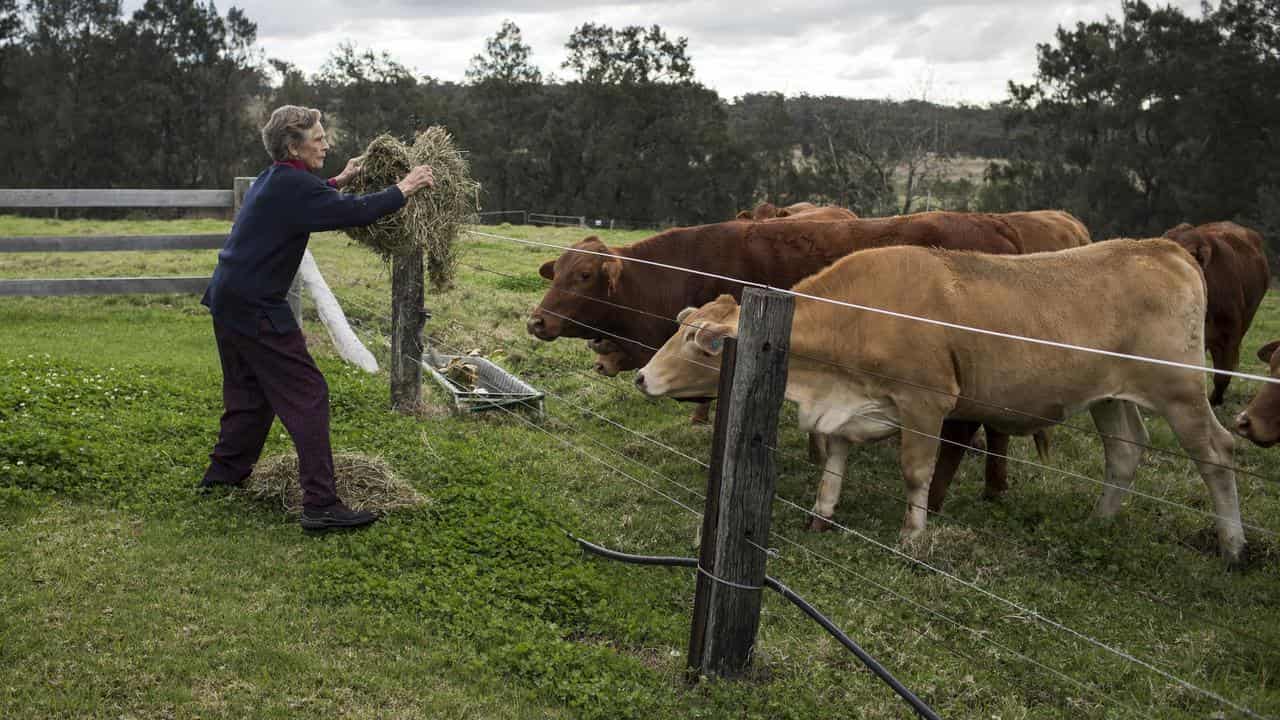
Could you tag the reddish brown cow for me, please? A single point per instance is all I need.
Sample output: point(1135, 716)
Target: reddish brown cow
point(627, 308)
point(1236, 273)
point(1260, 422)
point(797, 211)
point(1048, 230)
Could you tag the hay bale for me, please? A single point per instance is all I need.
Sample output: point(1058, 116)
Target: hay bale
point(364, 483)
point(431, 218)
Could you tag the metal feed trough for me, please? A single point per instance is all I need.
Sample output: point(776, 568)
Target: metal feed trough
point(495, 387)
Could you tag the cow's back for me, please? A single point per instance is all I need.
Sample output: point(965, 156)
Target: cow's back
point(1136, 297)
point(1048, 230)
point(778, 254)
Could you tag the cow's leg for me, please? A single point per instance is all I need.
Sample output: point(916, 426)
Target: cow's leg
point(829, 484)
point(1224, 347)
point(701, 414)
point(1042, 439)
point(817, 448)
point(1118, 421)
point(1204, 438)
point(997, 478)
point(918, 456)
point(956, 435)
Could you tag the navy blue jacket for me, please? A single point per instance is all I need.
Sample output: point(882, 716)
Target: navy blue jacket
point(280, 211)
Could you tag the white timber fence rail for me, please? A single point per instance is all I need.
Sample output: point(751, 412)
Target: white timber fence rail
point(121, 198)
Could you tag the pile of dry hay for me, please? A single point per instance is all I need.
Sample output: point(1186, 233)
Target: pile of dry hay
point(364, 483)
point(431, 218)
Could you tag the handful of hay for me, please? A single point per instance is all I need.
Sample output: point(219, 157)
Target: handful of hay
point(430, 219)
point(364, 483)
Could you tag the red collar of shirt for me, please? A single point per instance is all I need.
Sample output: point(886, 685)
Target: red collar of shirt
point(299, 165)
point(294, 163)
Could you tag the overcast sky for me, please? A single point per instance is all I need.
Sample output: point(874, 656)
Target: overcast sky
point(946, 51)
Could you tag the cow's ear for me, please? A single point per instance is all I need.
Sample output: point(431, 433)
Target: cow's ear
point(1177, 230)
point(1266, 352)
point(744, 215)
point(685, 313)
point(548, 270)
point(710, 338)
point(613, 271)
point(1203, 253)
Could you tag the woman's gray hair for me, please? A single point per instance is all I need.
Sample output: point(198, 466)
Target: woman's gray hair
point(288, 124)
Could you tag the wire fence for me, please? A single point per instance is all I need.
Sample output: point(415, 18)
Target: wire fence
point(981, 637)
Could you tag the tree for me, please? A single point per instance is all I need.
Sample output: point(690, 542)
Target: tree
point(601, 55)
point(505, 59)
point(1143, 122)
point(368, 94)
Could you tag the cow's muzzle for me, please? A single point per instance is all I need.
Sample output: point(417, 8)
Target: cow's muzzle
point(1247, 429)
point(537, 327)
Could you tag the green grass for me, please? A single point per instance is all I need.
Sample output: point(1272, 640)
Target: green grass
point(126, 595)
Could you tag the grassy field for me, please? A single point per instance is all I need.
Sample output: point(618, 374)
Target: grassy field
point(125, 594)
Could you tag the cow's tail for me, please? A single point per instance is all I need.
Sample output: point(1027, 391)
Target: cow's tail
point(1041, 438)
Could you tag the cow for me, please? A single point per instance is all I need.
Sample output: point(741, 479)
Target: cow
point(1048, 230)
point(797, 211)
point(926, 373)
point(1236, 271)
point(1260, 421)
point(626, 308)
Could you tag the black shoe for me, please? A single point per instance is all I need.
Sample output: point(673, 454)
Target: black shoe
point(207, 484)
point(335, 516)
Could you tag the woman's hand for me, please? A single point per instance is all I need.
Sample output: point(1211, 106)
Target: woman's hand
point(354, 165)
point(418, 178)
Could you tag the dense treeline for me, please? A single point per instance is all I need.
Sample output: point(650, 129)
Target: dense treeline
point(1134, 123)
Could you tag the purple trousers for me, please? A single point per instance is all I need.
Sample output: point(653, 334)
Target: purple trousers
point(264, 377)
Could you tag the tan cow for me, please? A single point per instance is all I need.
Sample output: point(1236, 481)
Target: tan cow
point(1139, 297)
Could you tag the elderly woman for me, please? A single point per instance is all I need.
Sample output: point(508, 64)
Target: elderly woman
point(266, 369)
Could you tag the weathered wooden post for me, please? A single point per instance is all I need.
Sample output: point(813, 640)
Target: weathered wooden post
point(240, 187)
point(407, 321)
point(735, 529)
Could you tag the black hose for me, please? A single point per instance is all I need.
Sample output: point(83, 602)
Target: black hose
point(872, 664)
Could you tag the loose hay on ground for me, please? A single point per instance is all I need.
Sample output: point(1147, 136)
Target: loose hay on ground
point(364, 483)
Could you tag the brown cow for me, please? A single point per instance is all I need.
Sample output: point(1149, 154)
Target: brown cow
point(1048, 230)
point(797, 211)
point(1237, 275)
point(626, 308)
point(1260, 422)
point(1010, 384)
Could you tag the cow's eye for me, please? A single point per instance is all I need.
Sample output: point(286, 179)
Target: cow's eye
point(585, 275)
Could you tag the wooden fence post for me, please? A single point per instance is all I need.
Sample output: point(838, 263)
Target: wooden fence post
point(238, 191)
point(407, 319)
point(740, 487)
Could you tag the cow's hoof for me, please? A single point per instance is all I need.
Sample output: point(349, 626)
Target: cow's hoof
point(992, 494)
point(1216, 400)
point(818, 523)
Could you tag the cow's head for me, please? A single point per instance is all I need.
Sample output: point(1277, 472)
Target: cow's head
point(1260, 422)
point(578, 279)
point(1193, 242)
point(688, 364)
point(764, 211)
